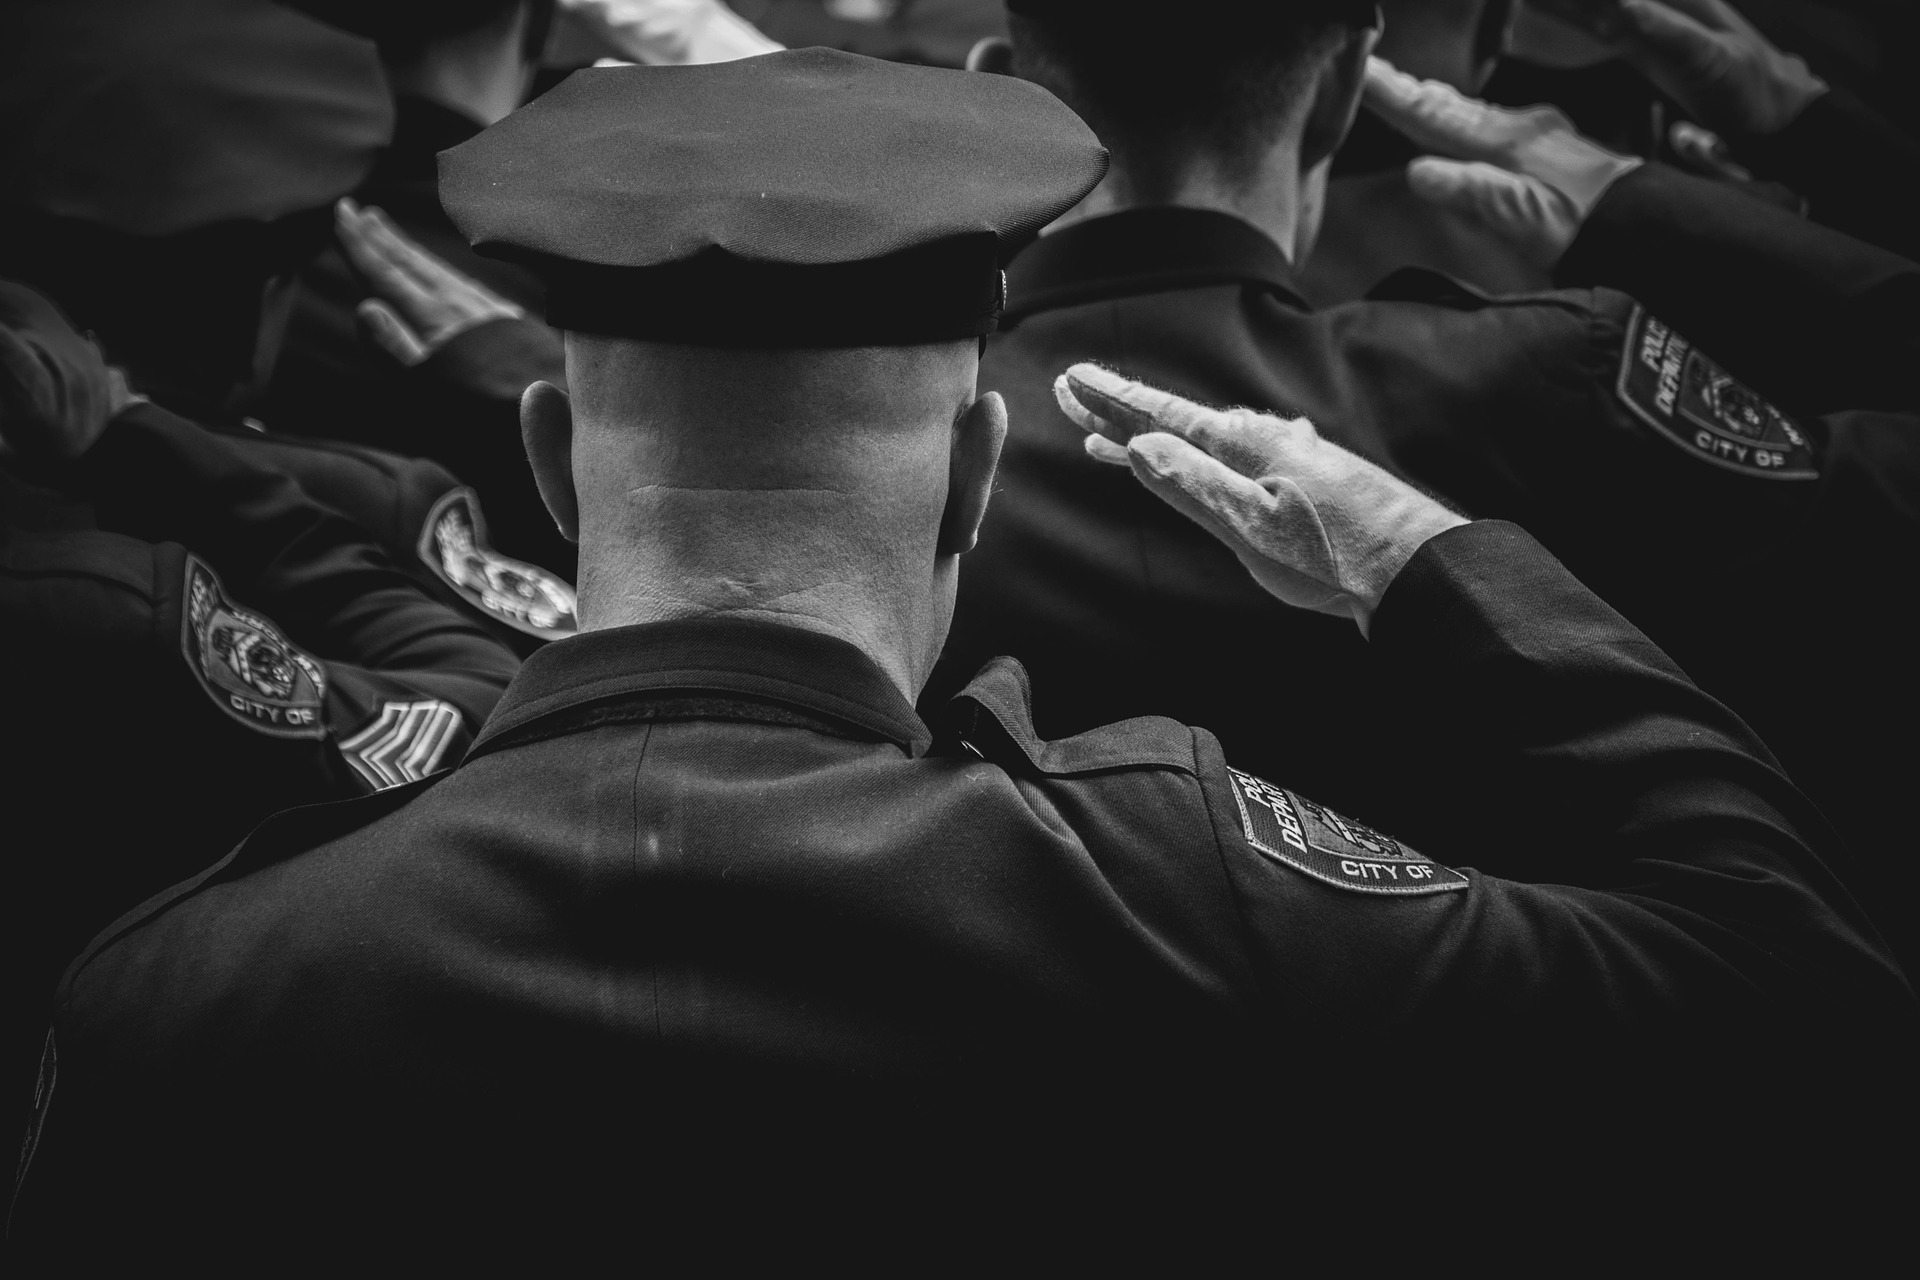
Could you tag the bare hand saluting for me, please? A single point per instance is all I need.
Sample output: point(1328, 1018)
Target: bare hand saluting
point(1317, 526)
point(421, 303)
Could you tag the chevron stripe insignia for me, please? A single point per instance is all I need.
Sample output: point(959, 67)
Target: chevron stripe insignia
point(405, 743)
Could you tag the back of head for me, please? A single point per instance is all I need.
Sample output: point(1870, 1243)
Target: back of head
point(760, 479)
point(1160, 82)
point(774, 275)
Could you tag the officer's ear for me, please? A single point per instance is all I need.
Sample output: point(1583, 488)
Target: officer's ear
point(1337, 91)
point(991, 53)
point(978, 433)
point(546, 428)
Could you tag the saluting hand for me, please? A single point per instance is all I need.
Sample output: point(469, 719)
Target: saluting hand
point(1717, 65)
point(1319, 527)
point(57, 393)
point(422, 303)
point(1527, 174)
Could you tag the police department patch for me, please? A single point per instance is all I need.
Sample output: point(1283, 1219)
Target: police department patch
point(1697, 405)
point(1310, 838)
point(247, 667)
point(405, 742)
point(526, 597)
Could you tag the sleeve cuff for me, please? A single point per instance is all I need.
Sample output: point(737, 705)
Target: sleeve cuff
point(498, 359)
point(1488, 589)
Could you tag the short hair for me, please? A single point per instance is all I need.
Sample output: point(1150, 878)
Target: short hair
point(1155, 92)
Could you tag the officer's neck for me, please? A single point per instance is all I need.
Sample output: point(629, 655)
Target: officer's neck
point(1273, 195)
point(887, 610)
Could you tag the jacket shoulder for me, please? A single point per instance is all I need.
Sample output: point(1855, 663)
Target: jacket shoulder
point(283, 835)
point(993, 717)
point(111, 561)
point(1418, 284)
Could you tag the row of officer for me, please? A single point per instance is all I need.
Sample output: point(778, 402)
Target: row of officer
point(188, 643)
point(175, 167)
point(1719, 457)
point(1691, 82)
point(712, 941)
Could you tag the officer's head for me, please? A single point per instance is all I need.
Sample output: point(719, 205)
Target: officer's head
point(775, 276)
point(169, 164)
point(1233, 88)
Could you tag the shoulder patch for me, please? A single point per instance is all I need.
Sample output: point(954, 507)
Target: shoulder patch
point(405, 742)
point(1339, 851)
point(453, 543)
point(1697, 405)
point(247, 667)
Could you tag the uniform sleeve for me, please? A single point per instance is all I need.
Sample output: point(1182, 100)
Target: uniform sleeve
point(1858, 170)
point(294, 624)
point(1814, 317)
point(1654, 867)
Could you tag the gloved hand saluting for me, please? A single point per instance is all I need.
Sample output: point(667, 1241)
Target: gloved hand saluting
point(1717, 65)
point(1527, 175)
point(56, 392)
point(1317, 526)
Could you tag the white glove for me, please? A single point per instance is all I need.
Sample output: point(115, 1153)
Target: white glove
point(1320, 528)
point(672, 32)
point(1717, 65)
point(1527, 175)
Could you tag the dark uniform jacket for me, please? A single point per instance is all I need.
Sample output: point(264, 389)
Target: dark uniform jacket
point(431, 526)
point(189, 642)
point(460, 406)
point(1857, 170)
point(1818, 319)
point(710, 931)
point(1762, 547)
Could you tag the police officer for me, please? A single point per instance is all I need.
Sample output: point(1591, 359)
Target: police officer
point(1670, 482)
point(188, 642)
point(1772, 115)
point(400, 337)
point(712, 939)
point(1374, 222)
point(1749, 114)
point(174, 165)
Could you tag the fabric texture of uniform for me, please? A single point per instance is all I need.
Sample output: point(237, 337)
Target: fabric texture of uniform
point(709, 922)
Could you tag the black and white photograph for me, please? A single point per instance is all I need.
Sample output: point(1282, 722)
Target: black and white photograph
point(960, 637)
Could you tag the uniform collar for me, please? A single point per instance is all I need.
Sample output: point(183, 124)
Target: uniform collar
point(1141, 251)
point(730, 659)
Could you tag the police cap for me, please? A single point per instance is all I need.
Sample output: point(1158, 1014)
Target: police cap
point(153, 117)
point(806, 198)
